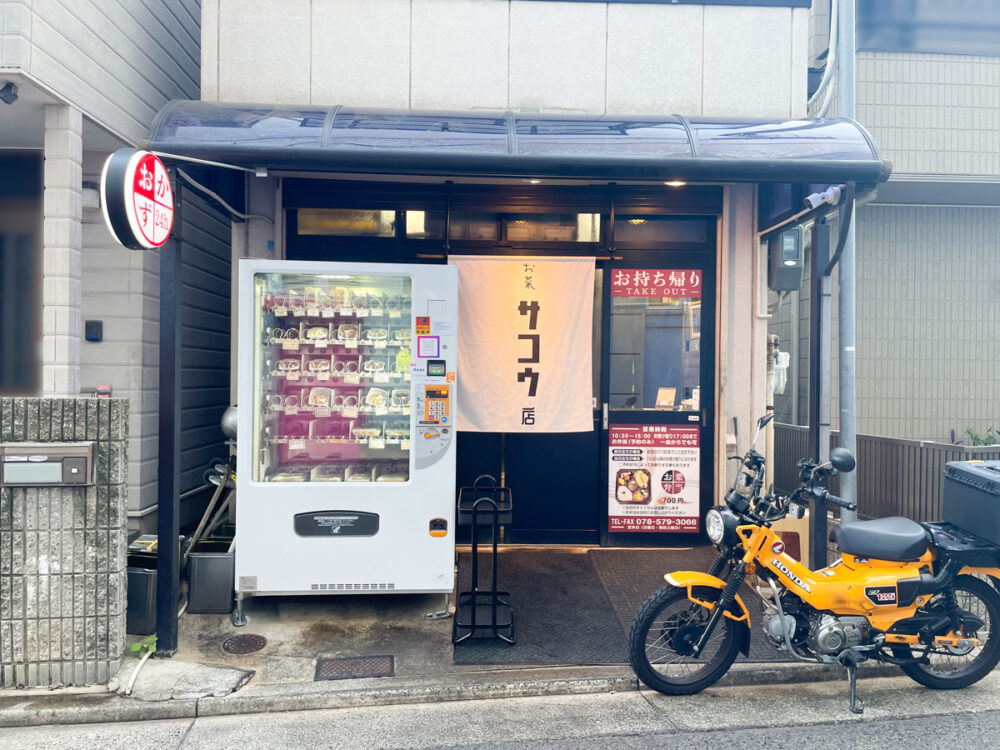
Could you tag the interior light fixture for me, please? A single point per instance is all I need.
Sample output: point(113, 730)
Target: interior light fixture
point(675, 183)
point(533, 181)
point(636, 222)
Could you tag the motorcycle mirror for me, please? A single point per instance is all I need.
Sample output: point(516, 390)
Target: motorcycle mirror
point(762, 422)
point(842, 460)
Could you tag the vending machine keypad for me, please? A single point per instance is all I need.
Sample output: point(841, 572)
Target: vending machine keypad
point(437, 408)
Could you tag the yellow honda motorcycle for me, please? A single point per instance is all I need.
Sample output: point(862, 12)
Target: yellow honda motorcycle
point(915, 595)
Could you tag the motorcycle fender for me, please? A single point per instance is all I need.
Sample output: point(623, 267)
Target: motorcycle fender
point(688, 579)
point(992, 573)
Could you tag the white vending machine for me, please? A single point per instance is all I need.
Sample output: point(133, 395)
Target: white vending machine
point(346, 438)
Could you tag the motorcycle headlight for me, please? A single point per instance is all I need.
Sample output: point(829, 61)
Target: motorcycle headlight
point(715, 527)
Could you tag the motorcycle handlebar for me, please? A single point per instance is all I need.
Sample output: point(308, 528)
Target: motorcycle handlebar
point(839, 501)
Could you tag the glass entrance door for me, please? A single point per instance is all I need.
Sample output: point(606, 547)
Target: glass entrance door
point(658, 398)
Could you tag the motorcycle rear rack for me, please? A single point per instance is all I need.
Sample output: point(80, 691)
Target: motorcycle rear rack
point(964, 545)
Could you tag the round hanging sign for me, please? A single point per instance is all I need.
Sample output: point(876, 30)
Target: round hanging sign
point(137, 199)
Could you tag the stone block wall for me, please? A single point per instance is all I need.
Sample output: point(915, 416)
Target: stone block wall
point(62, 550)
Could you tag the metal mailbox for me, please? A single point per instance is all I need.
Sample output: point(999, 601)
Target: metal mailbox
point(46, 464)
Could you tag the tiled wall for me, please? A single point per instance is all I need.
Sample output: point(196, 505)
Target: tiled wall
point(932, 114)
point(62, 550)
point(117, 61)
point(583, 57)
point(928, 314)
point(928, 309)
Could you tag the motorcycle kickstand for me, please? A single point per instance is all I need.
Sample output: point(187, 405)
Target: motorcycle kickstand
point(857, 706)
point(850, 660)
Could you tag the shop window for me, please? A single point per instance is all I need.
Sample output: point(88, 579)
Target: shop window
point(655, 353)
point(660, 230)
point(424, 225)
point(18, 315)
point(554, 227)
point(346, 222)
point(474, 226)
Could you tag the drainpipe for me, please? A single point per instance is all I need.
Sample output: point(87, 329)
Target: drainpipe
point(847, 278)
point(772, 355)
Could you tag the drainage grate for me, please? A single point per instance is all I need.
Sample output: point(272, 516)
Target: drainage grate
point(355, 666)
point(244, 644)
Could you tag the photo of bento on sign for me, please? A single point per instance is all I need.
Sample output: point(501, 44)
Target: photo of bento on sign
point(137, 199)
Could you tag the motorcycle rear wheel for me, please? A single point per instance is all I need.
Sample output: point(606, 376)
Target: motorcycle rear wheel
point(951, 671)
point(665, 627)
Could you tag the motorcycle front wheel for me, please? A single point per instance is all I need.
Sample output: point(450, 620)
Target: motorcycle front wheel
point(664, 630)
point(952, 669)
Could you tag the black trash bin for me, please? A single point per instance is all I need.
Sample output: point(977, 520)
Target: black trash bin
point(140, 614)
point(211, 578)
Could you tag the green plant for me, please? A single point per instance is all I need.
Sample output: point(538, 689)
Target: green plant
point(146, 646)
point(990, 437)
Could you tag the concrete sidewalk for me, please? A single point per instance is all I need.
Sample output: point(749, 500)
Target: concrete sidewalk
point(202, 679)
point(33, 707)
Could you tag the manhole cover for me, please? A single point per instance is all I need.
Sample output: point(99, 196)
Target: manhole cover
point(244, 644)
point(353, 667)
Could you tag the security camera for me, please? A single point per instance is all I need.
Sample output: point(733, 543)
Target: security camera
point(8, 94)
point(831, 195)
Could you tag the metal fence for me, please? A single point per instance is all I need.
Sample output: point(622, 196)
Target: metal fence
point(895, 477)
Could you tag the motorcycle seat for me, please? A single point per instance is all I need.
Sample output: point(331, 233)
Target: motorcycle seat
point(895, 538)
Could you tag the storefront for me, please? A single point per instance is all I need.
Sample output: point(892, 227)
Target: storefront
point(670, 211)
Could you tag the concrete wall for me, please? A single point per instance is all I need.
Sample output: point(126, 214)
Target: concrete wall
point(582, 57)
point(742, 327)
point(118, 61)
point(62, 550)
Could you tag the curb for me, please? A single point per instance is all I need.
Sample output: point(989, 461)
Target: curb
point(55, 708)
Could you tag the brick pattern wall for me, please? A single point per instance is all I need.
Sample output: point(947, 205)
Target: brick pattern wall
point(62, 550)
point(63, 240)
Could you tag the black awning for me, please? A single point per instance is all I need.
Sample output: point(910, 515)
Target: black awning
point(402, 142)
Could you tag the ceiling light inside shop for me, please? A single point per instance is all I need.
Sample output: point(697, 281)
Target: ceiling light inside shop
point(636, 222)
point(533, 181)
point(675, 183)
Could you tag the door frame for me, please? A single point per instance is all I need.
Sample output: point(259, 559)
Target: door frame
point(703, 259)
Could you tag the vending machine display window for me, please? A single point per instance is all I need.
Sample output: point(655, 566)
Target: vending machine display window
point(332, 378)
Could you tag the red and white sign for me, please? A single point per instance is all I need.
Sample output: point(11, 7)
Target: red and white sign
point(656, 282)
point(653, 477)
point(151, 210)
point(137, 199)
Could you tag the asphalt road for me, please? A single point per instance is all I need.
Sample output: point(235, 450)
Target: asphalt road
point(899, 714)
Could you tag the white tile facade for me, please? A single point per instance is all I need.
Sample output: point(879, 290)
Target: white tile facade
point(555, 57)
point(558, 56)
point(460, 54)
point(666, 77)
point(341, 76)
